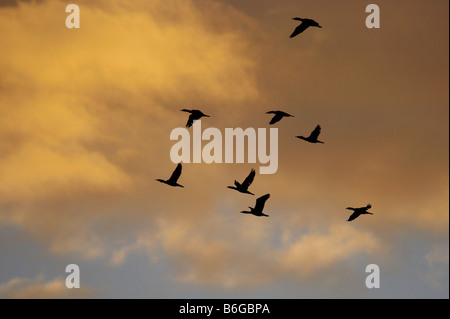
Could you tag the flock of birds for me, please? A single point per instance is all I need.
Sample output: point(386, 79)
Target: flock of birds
point(278, 116)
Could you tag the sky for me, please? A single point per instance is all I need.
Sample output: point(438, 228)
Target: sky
point(85, 122)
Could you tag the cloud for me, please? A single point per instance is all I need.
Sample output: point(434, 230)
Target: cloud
point(317, 251)
point(437, 261)
point(248, 253)
point(87, 113)
point(39, 288)
point(84, 110)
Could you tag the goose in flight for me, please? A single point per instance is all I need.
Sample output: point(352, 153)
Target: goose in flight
point(243, 188)
point(195, 115)
point(358, 211)
point(312, 138)
point(278, 116)
point(306, 23)
point(173, 180)
point(259, 206)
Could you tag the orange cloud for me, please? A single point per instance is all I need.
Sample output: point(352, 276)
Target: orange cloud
point(38, 288)
point(86, 118)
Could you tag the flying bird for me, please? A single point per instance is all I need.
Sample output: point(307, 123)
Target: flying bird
point(358, 211)
point(243, 188)
point(195, 115)
point(312, 138)
point(173, 180)
point(278, 116)
point(259, 206)
point(306, 23)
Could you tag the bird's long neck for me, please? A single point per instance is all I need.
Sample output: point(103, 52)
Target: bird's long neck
point(351, 208)
point(232, 187)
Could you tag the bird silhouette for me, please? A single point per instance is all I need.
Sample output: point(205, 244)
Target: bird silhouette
point(259, 206)
point(312, 138)
point(243, 188)
point(306, 23)
point(195, 115)
point(173, 180)
point(278, 116)
point(358, 211)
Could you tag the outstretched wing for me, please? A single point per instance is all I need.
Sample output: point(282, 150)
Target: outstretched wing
point(190, 120)
point(315, 134)
point(285, 114)
point(260, 202)
point(276, 118)
point(353, 216)
point(302, 27)
point(176, 174)
point(249, 179)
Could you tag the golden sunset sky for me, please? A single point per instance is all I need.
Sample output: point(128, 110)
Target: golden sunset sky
point(85, 121)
